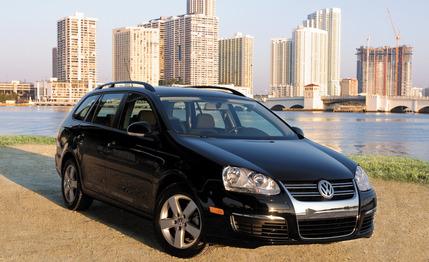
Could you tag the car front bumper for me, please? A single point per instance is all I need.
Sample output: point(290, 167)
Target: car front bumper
point(281, 219)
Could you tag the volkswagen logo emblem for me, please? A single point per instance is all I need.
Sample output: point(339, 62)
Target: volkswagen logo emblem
point(326, 189)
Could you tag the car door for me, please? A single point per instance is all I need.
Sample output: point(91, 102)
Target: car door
point(82, 117)
point(136, 161)
point(96, 137)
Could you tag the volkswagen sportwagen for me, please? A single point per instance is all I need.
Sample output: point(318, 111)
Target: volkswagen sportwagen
point(208, 163)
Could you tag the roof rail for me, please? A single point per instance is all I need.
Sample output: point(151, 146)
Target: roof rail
point(233, 91)
point(131, 83)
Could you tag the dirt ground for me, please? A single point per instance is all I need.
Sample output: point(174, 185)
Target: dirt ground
point(34, 225)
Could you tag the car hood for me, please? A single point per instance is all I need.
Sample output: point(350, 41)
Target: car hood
point(285, 160)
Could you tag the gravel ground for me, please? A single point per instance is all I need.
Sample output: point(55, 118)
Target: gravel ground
point(34, 225)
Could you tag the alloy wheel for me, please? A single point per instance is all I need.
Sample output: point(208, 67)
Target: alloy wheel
point(180, 221)
point(70, 184)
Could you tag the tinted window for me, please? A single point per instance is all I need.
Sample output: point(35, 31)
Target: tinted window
point(82, 111)
point(137, 109)
point(107, 109)
point(179, 111)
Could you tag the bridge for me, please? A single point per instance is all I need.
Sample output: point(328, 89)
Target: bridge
point(397, 104)
point(280, 104)
point(370, 103)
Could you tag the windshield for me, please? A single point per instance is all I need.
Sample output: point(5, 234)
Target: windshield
point(224, 118)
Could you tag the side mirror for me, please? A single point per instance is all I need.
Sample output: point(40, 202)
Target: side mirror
point(139, 129)
point(298, 131)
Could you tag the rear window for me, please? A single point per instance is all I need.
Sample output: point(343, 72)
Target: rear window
point(84, 108)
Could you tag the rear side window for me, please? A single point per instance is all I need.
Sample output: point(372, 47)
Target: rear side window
point(107, 109)
point(179, 111)
point(82, 111)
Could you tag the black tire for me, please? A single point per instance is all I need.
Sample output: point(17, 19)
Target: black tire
point(192, 246)
point(71, 188)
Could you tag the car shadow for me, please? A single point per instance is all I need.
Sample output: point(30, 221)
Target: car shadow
point(37, 173)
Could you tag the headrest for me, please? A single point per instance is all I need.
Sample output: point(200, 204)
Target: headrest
point(147, 116)
point(205, 121)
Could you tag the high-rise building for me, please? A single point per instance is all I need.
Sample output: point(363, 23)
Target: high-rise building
point(205, 7)
point(385, 71)
point(135, 54)
point(55, 62)
point(349, 87)
point(329, 19)
point(76, 43)
point(310, 59)
point(236, 61)
point(281, 83)
point(159, 24)
point(191, 50)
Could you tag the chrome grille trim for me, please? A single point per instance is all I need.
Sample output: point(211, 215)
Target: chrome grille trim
point(343, 189)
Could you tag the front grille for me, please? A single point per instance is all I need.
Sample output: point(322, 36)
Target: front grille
point(327, 228)
point(271, 230)
point(367, 224)
point(305, 191)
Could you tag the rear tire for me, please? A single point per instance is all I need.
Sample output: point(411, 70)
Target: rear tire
point(73, 197)
point(179, 222)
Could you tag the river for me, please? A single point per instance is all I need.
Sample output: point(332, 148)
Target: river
point(350, 133)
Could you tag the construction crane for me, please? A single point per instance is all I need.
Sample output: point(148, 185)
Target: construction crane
point(397, 39)
point(395, 28)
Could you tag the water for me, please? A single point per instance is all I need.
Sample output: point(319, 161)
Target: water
point(372, 133)
point(44, 121)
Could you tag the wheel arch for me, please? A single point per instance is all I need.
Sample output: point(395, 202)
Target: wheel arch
point(68, 155)
point(173, 177)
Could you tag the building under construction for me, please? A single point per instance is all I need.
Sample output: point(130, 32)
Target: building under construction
point(385, 71)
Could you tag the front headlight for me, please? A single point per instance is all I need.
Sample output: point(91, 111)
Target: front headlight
point(244, 180)
point(362, 180)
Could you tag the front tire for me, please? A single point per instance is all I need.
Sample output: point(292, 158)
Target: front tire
point(179, 222)
point(73, 197)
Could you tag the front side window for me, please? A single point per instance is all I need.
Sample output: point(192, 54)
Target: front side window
point(107, 109)
point(224, 118)
point(83, 109)
point(137, 109)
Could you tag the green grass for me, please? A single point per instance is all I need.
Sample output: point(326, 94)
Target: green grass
point(394, 168)
point(384, 167)
point(18, 140)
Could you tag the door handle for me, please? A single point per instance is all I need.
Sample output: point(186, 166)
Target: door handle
point(79, 138)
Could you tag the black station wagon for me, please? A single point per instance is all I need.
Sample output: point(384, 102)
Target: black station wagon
point(208, 163)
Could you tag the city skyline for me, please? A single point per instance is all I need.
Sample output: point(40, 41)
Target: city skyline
point(381, 34)
point(311, 56)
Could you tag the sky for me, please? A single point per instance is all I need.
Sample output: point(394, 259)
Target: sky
point(28, 30)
